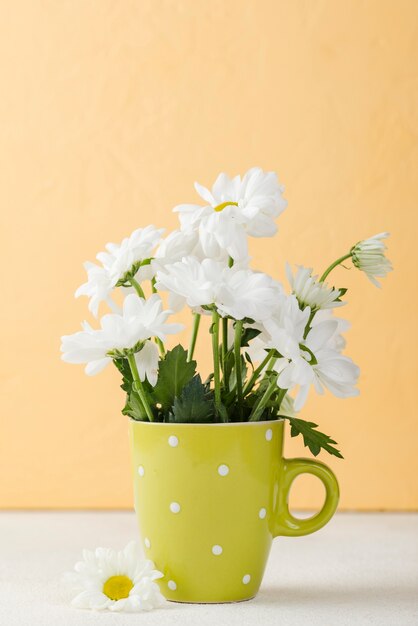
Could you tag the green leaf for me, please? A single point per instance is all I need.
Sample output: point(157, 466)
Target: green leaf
point(249, 360)
point(133, 405)
point(248, 335)
point(134, 408)
point(195, 404)
point(123, 366)
point(312, 438)
point(174, 373)
point(233, 375)
point(342, 291)
point(227, 365)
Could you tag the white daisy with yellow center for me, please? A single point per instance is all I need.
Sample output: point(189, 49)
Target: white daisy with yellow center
point(235, 209)
point(115, 580)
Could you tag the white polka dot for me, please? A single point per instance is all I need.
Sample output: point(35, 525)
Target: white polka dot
point(173, 441)
point(269, 434)
point(246, 579)
point(216, 550)
point(147, 542)
point(141, 470)
point(172, 585)
point(175, 507)
point(223, 470)
point(262, 513)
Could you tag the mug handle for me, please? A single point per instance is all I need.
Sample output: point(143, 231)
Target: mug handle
point(290, 526)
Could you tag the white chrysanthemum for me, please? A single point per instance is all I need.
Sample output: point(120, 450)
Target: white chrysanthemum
point(235, 209)
point(317, 364)
point(369, 256)
point(175, 247)
point(118, 261)
point(315, 360)
point(288, 316)
point(121, 259)
point(337, 341)
point(310, 292)
point(115, 580)
point(190, 281)
point(235, 292)
point(243, 293)
point(286, 325)
point(98, 287)
point(140, 320)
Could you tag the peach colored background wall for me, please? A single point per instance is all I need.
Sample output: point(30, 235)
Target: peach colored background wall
point(108, 113)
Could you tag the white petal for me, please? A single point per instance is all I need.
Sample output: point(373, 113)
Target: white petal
point(94, 367)
point(147, 362)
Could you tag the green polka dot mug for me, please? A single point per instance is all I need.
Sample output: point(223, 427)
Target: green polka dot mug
point(210, 498)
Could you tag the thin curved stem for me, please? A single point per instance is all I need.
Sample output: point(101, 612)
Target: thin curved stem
point(135, 284)
point(139, 387)
point(192, 345)
point(251, 382)
point(258, 409)
point(308, 323)
point(331, 267)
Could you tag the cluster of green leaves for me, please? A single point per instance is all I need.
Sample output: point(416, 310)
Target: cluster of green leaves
point(180, 395)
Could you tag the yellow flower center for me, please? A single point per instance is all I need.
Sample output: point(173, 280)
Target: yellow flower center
point(221, 207)
point(117, 587)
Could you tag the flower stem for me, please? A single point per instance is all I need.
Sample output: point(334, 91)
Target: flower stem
point(139, 387)
point(237, 358)
point(216, 368)
point(258, 409)
point(225, 351)
point(331, 267)
point(135, 284)
point(308, 324)
point(157, 339)
point(196, 322)
point(160, 346)
point(250, 384)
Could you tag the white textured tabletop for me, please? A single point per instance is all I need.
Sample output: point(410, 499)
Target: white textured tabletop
point(359, 569)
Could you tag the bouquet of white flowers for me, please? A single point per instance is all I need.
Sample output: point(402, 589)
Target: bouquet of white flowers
point(269, 346)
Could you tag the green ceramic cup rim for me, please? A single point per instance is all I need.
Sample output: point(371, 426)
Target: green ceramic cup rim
point(223, 424)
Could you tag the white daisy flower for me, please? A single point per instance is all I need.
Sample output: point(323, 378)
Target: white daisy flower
point(176, 246)
point(288, 316)
point(317, 364)
point(315, 360)
point(337, 341)
point(235, 209)
point(118, 262)
point(235, 292)
point(243, 293)
point(286, 324)
point(369, 256)
point(115, 580)
point(310, 292)
point(190, 281)
point(125, 258)
point(98, 288)
point(140, 320)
